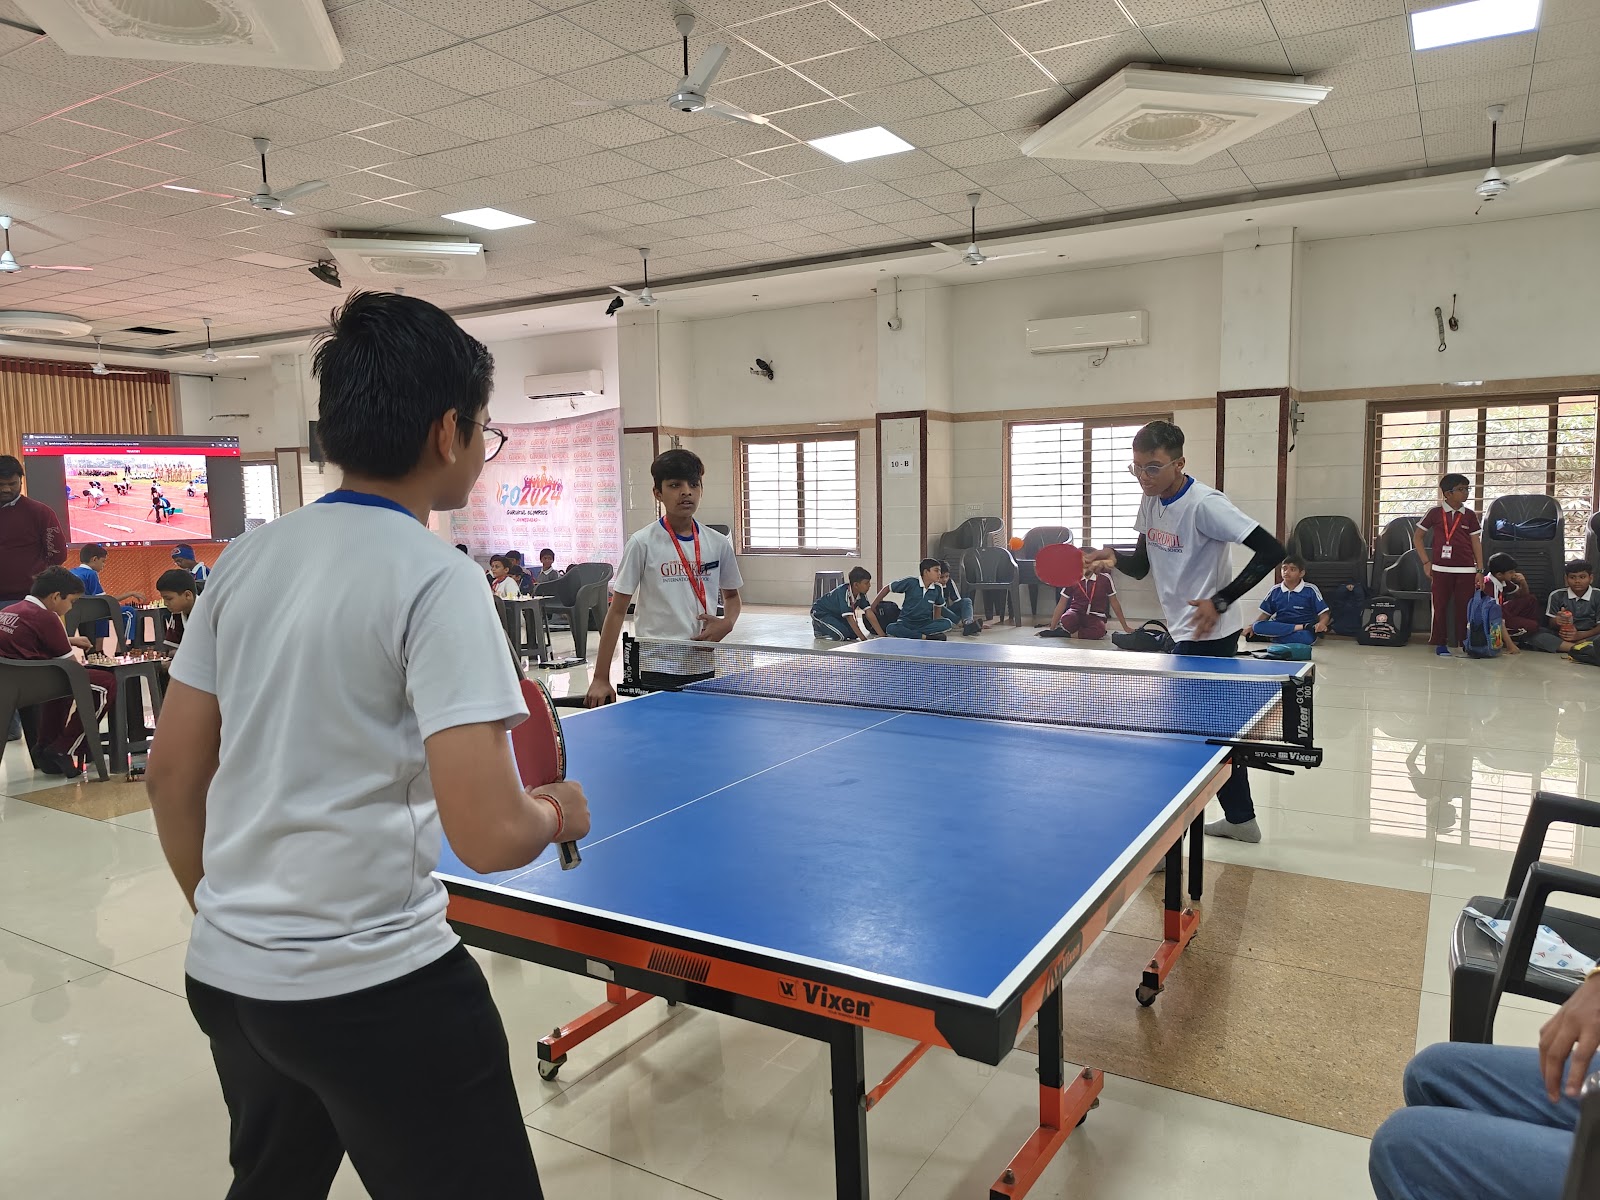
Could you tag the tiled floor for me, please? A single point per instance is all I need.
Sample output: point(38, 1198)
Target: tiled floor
point(106, 1088)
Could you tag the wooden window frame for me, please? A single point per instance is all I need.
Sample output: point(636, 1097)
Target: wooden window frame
point(741, 460)
point(1089, 424)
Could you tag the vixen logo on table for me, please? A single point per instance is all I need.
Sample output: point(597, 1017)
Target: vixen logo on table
point(821, 996)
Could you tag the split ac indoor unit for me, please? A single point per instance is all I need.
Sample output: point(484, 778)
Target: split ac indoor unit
point(1087, 333)
point(564, 386)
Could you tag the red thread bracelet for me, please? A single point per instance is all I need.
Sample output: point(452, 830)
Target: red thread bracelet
point(561, 820)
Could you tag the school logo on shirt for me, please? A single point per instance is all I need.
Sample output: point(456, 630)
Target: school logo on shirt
point(1164, 538)
point(674, 569)
point(535, 494)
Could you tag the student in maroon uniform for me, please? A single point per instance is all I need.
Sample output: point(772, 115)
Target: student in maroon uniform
point(32, 629)
point(30, 535)
point(1084, 609)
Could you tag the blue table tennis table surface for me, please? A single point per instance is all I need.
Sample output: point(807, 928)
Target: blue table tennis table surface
point(940, 854)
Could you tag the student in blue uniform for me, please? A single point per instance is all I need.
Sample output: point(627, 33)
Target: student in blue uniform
point(91, 561)
point(833, 616)
point(922, 614)
point(183, 558)
point(1294, 612)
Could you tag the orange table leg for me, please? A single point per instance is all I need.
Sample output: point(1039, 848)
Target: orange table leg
point(619, 1002)
point(896, 1075)
point(1060, 1110)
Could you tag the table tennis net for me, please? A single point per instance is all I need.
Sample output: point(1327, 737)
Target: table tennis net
point(1251, 709)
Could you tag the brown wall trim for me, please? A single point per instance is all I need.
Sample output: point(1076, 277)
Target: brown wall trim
point(1284, 395)
point(1131, 409)
point(1445, 391)
point(920, 416)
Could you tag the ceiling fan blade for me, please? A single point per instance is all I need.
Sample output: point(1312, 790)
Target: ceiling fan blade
point(1017, 254)
point(705, 68)
point(1541, 168)
point(302, 189)
point(622, 291)
point(38, 267)
point(729, 112)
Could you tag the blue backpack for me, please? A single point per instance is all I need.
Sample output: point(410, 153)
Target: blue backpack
point(1345, 604)
point(1485, 626)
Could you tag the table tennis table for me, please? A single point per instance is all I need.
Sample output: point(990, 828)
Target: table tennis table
point(823, 866)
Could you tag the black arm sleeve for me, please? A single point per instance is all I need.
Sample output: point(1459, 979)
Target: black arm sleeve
point(1137, 564)
point(1269, 553)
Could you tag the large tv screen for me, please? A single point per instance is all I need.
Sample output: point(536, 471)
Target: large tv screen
point(138, 491)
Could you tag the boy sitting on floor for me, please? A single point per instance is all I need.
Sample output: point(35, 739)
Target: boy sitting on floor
point(32, 629)
point(1084, 608)
point(1294, 612)
point(1574, 612)
point(1519, 609)
point(958, 606)
point(922, 615)
point(833, 616)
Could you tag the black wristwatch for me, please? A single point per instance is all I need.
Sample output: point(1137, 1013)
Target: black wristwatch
point(1221, 605)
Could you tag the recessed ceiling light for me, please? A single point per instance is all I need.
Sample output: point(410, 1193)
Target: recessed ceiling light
point(487, 218)
point(1472, 22)
point(863, 143)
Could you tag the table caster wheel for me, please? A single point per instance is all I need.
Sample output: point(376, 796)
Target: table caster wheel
point(672, 1004)
point(1146, 996)
point(549, 1070)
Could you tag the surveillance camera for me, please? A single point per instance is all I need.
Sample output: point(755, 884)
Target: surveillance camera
point(762, 367)
point(327, 272)
point(894, 323)
point(616, 303)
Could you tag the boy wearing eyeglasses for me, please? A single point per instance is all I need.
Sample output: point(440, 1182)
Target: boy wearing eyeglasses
point(1186, 534)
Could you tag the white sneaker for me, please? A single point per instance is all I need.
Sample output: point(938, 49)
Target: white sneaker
point(1244, 831)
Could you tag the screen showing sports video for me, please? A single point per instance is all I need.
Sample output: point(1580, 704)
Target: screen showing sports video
point(138, 491)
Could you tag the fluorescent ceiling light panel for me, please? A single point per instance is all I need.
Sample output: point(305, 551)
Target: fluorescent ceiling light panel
point(488, 218)
point(863, 143)
point(1471, 22)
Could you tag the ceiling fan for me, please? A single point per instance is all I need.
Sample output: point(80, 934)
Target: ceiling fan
point(100, 368)
point(644, 295)
point(690, 94)
point(265, 198)
point(1493, 185)
point(8, 262)
point(972, 256)
point(209, 355)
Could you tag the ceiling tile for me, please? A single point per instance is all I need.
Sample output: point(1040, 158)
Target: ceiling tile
point(742, 59)
point(1482, 89)
point(720, 173)
point(1456, 145)
point(1473, 58)
point(1213, 32)
point(873, 66)
point(1543, 106)
point(1280, 149)
point(1385, 156)
point(787, 160)
point(112, 170)
point(1372, 133)
point(1567, 130)
point(628, 79)
point(253, 84)
point(470, 68)
point(1219, 161)
point(473, 18)
point(938, 183)
point(730, 138)
point(1137, 195)
point(1572, 40)
point(91, 74)
point(1291, 170)
point(803, 33)
point(1565, 72)
point(398, 90)
point(836, 221)
point(914, 98)
point(994, 81)
point(605, 167)
point(770, 91)
point(1024, 112)
point(1334, 47)
point(942, 128)
point(1101, 176)
point(898, 166)
point(950, 47)
point(375, 28)
point(670, 153)
point(1209, 183)
point(900, 210)
point(418, 137)
point(890, 18)
point(1160, 12)
point(974, 151)
point(84, 140)
point(613, 128)
point(657, 185)
point(1469, 117)
point(1092, 62)
point(548, 102)
point(1292, 18)
point(552, 44)
point(1024, 190)
point(829, 179)
point(1365, 75)
point(820, 120)
point(627, 23)
point(1052, 23)
point(333, 109)
point(1358, 107)
point(865, 195)
point(1062, 208)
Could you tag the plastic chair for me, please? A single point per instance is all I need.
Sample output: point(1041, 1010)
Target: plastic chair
point(582, 594)
point(1591, 544)
point(972, 533)
point(991, 569)
point(1583, 1168)
point(1032, 542)
point(1333, 548)
point(27, 682)
point(1397, 571)
point(1543, 560)
point(88, 610)
point(1481, 971)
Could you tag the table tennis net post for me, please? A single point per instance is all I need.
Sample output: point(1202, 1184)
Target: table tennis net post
point(1270, 714)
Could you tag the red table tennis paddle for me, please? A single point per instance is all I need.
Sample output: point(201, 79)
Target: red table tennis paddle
point(541, 751)
point(1059, 565)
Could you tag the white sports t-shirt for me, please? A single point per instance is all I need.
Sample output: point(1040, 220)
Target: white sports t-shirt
point(665, 605)
point(1188, 538)
point(335, 639)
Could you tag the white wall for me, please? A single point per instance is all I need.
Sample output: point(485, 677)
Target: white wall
point(550, 354)
point(1330, 456)
point(1527, 296)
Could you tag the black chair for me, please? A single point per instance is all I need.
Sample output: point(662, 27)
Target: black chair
point(970, 534)
point(989, 570)
point(1033, 541)
point(1533, 530)
point(27, 682)
point(1480, 970)
point(1397, 571)
point(1591, 544)
point(1335, 553)
point(582, 594)
point(1583, 1169)
point(88, 610)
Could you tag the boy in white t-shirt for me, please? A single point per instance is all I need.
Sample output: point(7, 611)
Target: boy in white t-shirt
point(672, 571)
point(1186, 534)
point(305, 769)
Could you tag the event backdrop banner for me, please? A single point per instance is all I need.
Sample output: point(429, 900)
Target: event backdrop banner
point(556, 484)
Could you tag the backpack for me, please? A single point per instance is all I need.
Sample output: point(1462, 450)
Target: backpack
point(1345, 604)
point(1295, 651)
point(1385, 621)
point(1587, 653)
point(1150, 638)
point(888, 612)
point(1485, 626)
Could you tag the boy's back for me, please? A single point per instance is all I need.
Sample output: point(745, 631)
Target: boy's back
point(318, 760)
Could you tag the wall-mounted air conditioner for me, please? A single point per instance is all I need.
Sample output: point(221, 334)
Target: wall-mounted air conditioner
point(1096, 332)
point(563, 386)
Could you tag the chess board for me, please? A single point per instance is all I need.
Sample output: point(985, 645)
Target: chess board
point(123, 660)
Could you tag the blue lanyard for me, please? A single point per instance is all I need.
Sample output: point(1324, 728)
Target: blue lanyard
point(365, 499)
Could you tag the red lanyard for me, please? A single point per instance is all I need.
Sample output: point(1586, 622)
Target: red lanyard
point(1449, 529)
point(695, 581)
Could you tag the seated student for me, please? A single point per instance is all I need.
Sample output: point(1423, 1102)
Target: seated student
point(91, 561)
point(517, 571)
point(1083, 609)
point(500, 581)
point(959, 606)
point(833, 616)
point(183, 558)
point(1519, 608)
point(177, 590)
point(1573, 612)
point(921, 616)
point(547, 567)
point(1487, 1122)
point(1294, 612)
point(32, 629)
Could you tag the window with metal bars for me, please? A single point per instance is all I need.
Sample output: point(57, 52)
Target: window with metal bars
point(1543, 446)
point(799, 495)
point(261, 491)
point(1075, 473)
